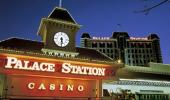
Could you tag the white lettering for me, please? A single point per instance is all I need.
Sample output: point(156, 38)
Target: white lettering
point(31, 85)
point(80, 88)
point(43, 66)
point(70, 87)
point(61, 87)
point(95, 71)
point(66, 68)
point(18, 65)
point(35, 66)
point(10, 61)
point(42, 87)
point(51, 67)
point(52, 87)
point(102, 71)
point(90, 71)
point(73, 69)
point(15, 63)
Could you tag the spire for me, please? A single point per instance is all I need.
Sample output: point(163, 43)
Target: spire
point(60, 3)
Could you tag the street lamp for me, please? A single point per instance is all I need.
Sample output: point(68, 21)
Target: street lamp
point(119, 61)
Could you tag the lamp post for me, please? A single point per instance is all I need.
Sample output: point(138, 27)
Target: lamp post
point(111, 92)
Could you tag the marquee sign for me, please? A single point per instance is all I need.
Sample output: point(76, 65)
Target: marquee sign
point(50, 87)
point(52, 67)
point(14, 63)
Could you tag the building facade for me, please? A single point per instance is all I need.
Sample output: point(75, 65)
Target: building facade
point(131, 51)
point(145, 83)
point(54, 68)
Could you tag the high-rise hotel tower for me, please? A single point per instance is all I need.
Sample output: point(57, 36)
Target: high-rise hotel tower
point(129, 50)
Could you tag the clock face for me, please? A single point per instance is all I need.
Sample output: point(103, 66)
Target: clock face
point(61, 39)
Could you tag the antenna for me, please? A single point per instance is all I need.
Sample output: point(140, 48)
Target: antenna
point(60, 3)
point(118, 27)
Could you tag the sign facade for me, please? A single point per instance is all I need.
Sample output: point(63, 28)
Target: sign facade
point(55, 87)
point(56, 68)
point(46, 77)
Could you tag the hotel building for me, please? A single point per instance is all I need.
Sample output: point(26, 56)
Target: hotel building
point(130, 50)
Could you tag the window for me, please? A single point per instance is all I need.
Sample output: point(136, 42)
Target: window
point(136, 61)
point(111, 51)
point(136, 56)
point(141, 45)
point(94, 45)
point(139, 51)
point(128, 56)
point(132, 51)
point(143, 51)
point(132, 55)
point(141, 61)
point(150, 51)
point(104, 51)
point(147, 51)
point(115, 44)
point(108, 51)
point(144, 61)
point(112, 56)
point(133, 45)
point(116, 51)
point(148, 45)
point(128, 44)
point(128, 51)
point(109, 45)
point(102, 45)
point(133, 62)
point(129, 61)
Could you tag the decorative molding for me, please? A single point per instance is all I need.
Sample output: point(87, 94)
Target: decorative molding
point(60, 53)
point(142, 83)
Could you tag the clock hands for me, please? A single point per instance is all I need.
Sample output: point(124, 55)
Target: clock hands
point(61, 39)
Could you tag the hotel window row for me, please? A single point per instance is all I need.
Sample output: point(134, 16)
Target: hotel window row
point(138, 45)
point(138, 62)
point(139, 51)
point(103, 44)
point(143, 56)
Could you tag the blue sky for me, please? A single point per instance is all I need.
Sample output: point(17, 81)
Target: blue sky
point(21, 18)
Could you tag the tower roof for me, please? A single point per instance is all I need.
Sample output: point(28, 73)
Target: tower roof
point(85, 35)
point(153, 36)
point(61, 14)
point(117, 34)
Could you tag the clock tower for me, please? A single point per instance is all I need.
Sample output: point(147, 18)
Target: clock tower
point(58, 33)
